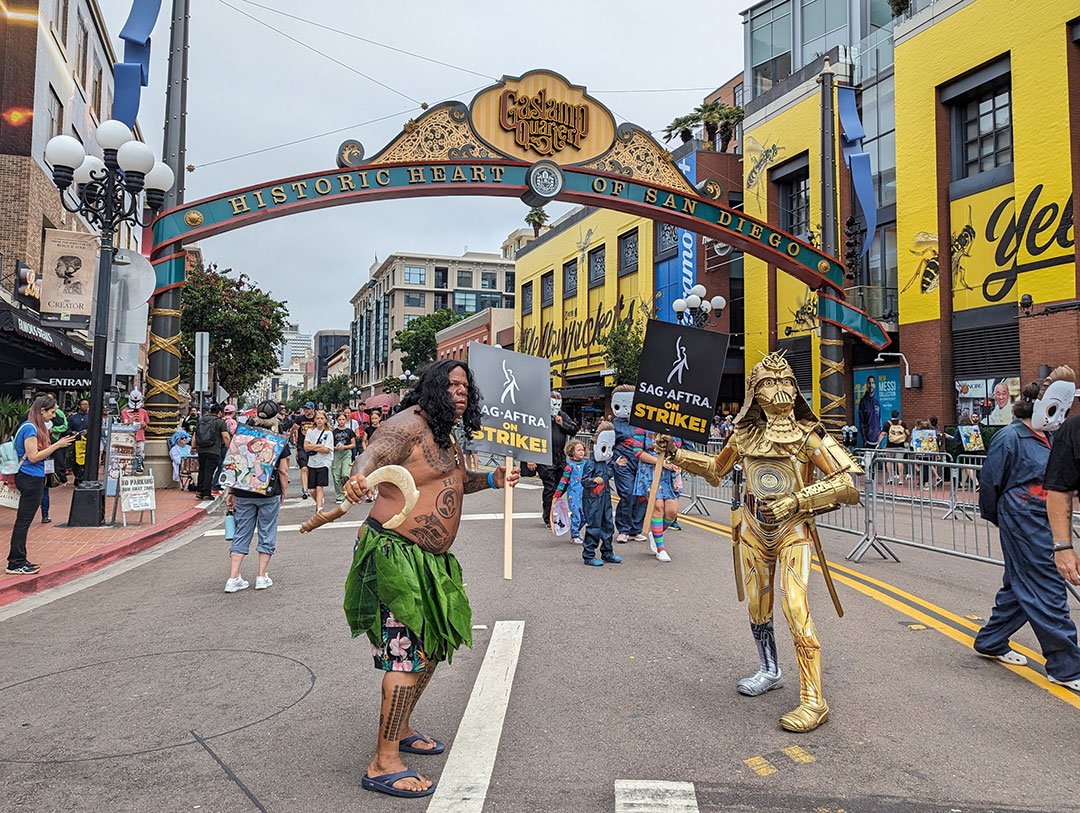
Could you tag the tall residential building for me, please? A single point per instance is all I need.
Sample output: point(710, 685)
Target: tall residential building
point(294, 345)
point(405, 286)
point(327, 343)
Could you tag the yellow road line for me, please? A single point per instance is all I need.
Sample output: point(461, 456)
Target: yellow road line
point(968, 641)
point(760, 766)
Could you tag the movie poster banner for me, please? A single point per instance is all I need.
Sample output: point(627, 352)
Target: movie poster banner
point(515, 404)
point(679, 379)
point(67, 278)
point(877, 394)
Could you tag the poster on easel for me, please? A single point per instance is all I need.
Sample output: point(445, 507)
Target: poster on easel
point(120, 455)
point(137, 494)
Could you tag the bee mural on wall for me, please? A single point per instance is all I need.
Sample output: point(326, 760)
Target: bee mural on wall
point(761, 158)
point(928, 272)
point(804, 317)
point(960, 248)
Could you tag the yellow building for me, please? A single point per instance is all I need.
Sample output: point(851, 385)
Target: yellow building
point(591, 267)
point(987, 134)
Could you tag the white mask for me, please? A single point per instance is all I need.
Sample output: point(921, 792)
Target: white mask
point(556, 406)
point(604, 445)
point(620, 404)
point(1052, 409)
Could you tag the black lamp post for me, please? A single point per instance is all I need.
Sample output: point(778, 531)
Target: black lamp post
point(697, 307)
point(107, 196)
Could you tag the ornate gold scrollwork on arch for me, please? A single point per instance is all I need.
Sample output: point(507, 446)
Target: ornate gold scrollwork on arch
point(443, 132)
point(636, 155)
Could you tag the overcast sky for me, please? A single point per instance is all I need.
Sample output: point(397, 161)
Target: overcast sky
point(251, 87)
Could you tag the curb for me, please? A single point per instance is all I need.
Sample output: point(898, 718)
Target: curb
point(63, 572)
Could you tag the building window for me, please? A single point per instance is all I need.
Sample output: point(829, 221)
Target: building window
point(985, 137)
point(547, 289)
point(56, 114)
point(486, 301)
point(441, 275)
point(464, 302)
point(409, 319)
point(667, 240)
point(569, 279)
point(508, 282)
point(508, 302)
point(415, 275)
point(628, 253)
point(440, 302)
point(97, 97)
point(82, 47)
point(489, 280)
point(414, 299)
point(597, 267)
point(526, 298)
point(770, 45)
point(60, 21)
point(879, 120)
point(824, 25)
point(794, 194)
point(464, 279)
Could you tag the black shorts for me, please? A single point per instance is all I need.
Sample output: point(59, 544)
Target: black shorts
point(318, 476)
point(301, 458)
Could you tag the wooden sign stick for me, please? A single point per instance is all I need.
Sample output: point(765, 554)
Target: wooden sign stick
point(646, 526)
point(508, 524)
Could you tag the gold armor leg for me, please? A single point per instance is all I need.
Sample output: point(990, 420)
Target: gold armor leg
point(812, 710)
point(759, 565)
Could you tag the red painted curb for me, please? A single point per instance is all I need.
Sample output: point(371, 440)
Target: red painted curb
point(63, 572)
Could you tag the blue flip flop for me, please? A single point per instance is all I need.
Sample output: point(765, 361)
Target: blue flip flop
point(385, 784)
point(406, 745)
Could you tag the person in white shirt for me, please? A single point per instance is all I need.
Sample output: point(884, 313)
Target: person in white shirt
point(319, 444)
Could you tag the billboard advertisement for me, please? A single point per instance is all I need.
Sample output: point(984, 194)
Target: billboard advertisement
point(877, 394)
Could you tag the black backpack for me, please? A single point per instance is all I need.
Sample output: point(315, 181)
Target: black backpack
point(206, 434)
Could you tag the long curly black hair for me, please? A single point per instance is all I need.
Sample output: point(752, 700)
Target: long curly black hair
point(431, 395)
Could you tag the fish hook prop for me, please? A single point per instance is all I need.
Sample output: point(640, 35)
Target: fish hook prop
point(397, 476)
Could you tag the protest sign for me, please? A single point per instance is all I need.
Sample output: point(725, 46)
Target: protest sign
point(515, 399)
point(515, 416)
point(678, 380)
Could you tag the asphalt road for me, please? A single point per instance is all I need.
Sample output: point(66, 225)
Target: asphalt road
point(148, 688)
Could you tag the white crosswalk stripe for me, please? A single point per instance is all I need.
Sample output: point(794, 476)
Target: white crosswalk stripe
point(654, 796)
point(356, 524)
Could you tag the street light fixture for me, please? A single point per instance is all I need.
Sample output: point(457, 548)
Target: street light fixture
point(107, 195)
point(697, 307)
point(910, 381)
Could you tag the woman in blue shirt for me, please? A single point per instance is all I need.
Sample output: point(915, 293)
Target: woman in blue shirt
point(33, 449)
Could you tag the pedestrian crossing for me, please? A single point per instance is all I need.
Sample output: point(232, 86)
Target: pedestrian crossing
point(654, 796)
point(357, 523)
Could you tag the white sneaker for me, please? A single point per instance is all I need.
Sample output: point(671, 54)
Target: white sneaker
point(576, 540)
point(639, 538)
point(232, 585)
point(1068, 684)
point(661, 556)
point(652, 543)
point(621, 538)
point(262, 582)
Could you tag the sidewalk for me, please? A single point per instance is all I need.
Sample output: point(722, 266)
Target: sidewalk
point(65, 553)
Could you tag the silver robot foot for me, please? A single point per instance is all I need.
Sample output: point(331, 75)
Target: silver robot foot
point(760, 682)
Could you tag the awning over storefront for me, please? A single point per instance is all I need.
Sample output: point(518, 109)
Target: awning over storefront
point(27, 349)
point(26, 331)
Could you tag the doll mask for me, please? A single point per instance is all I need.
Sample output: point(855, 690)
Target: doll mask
point(604, 445)
point(620, 404)
point(556, 406)
point(1052, 408)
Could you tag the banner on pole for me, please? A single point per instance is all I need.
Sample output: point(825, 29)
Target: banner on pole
point(679, 379)
point(515, 403)
point(67, 279)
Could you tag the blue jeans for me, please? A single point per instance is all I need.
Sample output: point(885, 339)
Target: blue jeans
point(630, 512)
point(252, 511)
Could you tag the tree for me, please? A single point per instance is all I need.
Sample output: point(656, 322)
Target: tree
point(244, 322)
point(721, 120)
point(898, 7)
point(334, 392)
point(392, 385)
point(683, 125)
point(536, 218)
point(417, 340)
point(622, 349)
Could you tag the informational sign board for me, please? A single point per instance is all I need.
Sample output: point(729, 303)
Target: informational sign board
point(678, 380)
point(137, 493)
point(120, 457)
point(515, 403)
point(252, 459)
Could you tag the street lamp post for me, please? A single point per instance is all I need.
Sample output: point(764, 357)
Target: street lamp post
point(107, 196)
point(697, 307)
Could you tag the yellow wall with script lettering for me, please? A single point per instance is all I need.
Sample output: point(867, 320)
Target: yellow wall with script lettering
point(565, 332)
point(1035, 229)
point(793, 131)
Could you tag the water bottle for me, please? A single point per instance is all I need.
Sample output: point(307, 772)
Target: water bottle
point(230, 525)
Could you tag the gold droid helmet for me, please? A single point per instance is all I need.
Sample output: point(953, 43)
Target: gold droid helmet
point(772, 394)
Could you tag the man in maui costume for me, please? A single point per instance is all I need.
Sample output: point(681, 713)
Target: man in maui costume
point(404, 590)
point(779, 442)
point(630, 513)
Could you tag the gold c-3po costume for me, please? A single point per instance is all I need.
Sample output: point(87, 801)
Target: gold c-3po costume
point(793, 470)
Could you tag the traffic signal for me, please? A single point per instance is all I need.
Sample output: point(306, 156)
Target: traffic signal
point(852, 254)
point(26, 281)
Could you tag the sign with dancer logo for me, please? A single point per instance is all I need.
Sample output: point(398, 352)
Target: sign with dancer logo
point(678, 380)
point(515, 398)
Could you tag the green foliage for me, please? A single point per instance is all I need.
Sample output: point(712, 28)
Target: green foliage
point(536, 218)
point(331, 394)
point(392, 384)
point(683, 125)
point(417, 341)
point(622, 349)
point(720, 122)
point(898, 7)
point(13, 411)
point(244, 322)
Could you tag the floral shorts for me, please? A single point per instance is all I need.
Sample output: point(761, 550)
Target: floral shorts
point(401, 650)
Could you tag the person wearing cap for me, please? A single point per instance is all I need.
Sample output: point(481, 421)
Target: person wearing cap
point(301, 425)
point(134, 415)
point(258, 510)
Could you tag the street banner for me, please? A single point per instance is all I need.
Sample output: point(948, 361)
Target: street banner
point(877, 394)
point(678, 380)
point(515, 417)
point(67, 278)
point(515, 400)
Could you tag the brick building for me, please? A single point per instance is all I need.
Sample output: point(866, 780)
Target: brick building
point(484, 327)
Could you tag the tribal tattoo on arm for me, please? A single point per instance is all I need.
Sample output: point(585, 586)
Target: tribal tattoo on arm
point(475, 481)
point(391, 445)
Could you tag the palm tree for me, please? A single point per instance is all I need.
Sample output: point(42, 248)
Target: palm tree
point(536, 218)
point(721, 120)
point(683, 125)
